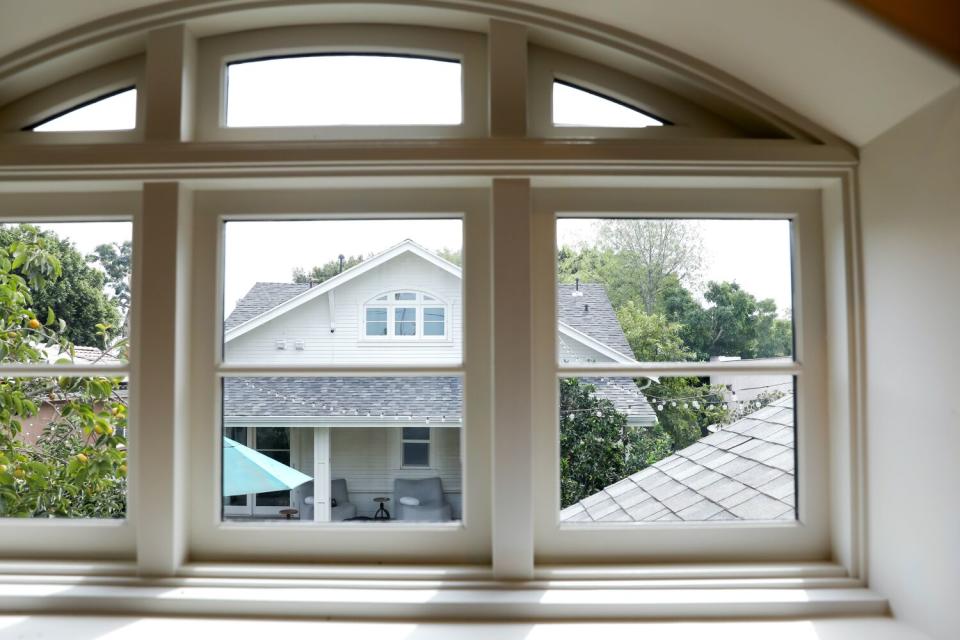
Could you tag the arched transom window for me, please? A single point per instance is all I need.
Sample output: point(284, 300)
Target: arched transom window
point(405, 315)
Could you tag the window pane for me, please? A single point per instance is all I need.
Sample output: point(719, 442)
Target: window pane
point(575, 106)
point(63, 447)
point(325, 90)
point(300, 303)
point(673, 290)
point(416, 454)
point(90, 294)
point(386, 437)
point(416, 433)
point(678, 449)
point(109, 113)
point(405, 321)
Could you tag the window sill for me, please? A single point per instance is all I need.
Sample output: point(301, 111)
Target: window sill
point(429, 593)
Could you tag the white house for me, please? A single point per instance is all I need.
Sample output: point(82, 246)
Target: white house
point(401, 306)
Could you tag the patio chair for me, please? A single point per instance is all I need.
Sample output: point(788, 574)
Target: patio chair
point(432, 506)
point(344, 509)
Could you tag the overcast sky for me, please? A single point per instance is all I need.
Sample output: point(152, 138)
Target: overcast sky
point(754, 253)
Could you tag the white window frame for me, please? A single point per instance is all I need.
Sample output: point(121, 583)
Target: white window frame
point(81, 537)
point(186, 188)
point(215, 53)
point(419, 304)
point(67, 95)
point(211, 539)
point(809, 536)
point(430, 448)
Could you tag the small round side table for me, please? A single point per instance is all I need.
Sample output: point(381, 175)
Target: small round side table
point(382, 513)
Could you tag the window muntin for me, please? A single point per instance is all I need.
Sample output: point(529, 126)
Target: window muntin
point(575, 106)
point(343, 89)
point(115, 111)
point(413, 316)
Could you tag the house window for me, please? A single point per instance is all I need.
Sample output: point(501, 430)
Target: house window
point(112, 112)
point(413, 315)
point(575, 106)
point(416, 447)
point(341, 89)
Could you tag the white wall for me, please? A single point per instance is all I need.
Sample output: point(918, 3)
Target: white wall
point(910, 208)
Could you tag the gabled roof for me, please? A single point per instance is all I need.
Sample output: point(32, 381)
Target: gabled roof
point(307, 293)
point(743, 472)
point(591, 313)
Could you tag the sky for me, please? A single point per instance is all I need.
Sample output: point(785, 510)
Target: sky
point(754, 253)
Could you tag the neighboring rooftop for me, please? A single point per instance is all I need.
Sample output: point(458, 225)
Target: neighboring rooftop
point(743, 472)
point(591, 313)
point(261, 298)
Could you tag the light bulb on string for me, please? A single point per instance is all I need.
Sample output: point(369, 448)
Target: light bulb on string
point(659, 407)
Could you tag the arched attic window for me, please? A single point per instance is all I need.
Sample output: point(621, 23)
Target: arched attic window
point(575, 106)
point(405, 315)
point(115, 111)
point(340, 89)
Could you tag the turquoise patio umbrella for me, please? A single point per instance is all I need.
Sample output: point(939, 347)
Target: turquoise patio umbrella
point(246, 470)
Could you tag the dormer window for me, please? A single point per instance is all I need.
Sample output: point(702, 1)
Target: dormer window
point(405, 315)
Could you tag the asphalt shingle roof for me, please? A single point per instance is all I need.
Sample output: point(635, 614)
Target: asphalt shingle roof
point(592, 314)
point(626, 397)
point(743, 472)
point(261, 298)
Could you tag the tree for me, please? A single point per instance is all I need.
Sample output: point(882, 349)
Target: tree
point(77, 467)
point(651, 336)
point(734, 324)
point(116, 260)
point(686, 407)
point(597, 447)
point(325, 271)
point(76, 296)
point(451, 255)
point(649, 252)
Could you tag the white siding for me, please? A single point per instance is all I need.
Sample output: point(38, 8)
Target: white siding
point(310, 323)
point(573, 352)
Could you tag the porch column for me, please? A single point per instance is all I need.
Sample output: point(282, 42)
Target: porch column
point(321, 474)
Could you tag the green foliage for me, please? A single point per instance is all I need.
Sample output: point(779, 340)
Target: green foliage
point(597, 447)
point(77, 466)
point(116, 259)
point(734, 323)
point(651, 336)
point(325, 271)
point(60, 279)
point(686, 408)
point(451, 255)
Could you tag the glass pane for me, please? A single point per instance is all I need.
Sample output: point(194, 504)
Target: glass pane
point(311, 297)
point(405, 322)
point(329, 90)
point(575, 106)
point(673, 290)
point(416, 454)
point(376, 432)
point(113, 112)
point(404, 296)
point(273, 438)
point(416, 433)
point(63, 447)
point(433, 314)
point(678, 449)
point(71, 301)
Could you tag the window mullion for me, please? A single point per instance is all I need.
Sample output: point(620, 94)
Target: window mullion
point(513, 502)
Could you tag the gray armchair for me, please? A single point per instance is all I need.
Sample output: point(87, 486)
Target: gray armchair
point(344, 509)
point(433, 506)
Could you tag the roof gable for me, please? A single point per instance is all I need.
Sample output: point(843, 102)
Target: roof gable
point(289, 298)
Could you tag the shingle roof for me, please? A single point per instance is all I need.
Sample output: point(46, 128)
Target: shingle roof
point(261, 298)
point(626, 397)
point(337, 397)
point(351, 398)
point(592, 314)
point(743, 472)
